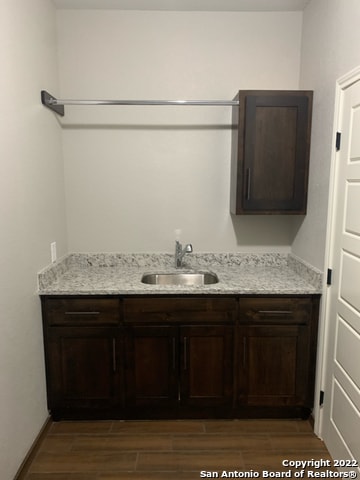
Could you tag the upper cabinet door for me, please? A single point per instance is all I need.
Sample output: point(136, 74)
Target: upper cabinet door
point(270, 152)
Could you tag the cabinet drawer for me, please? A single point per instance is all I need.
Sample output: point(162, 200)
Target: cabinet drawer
point(265, 310)
point(84, 310)
point(178, 309)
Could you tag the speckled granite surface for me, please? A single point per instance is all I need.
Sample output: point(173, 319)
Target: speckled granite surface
point(120, 274)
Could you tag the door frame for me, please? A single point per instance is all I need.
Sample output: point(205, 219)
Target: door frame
point(342, 84)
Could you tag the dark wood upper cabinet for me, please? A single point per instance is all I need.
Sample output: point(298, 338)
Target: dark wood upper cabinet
point(270, 152)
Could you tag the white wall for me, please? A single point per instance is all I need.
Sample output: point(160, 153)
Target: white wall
point(134, 174)
point(31, 216)
point(330, 48)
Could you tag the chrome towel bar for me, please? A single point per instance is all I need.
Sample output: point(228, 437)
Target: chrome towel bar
point(57, 105)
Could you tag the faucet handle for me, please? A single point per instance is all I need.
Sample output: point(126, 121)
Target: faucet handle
point(188, 248)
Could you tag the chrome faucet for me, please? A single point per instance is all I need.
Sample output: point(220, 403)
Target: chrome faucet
point(180, 252)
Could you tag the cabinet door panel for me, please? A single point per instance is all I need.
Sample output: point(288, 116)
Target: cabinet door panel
point(275, 152)
point(276, 376)
point(206, 365)
point(270, 153)
point(151, 365)
point(83, 368)
point(274, 363)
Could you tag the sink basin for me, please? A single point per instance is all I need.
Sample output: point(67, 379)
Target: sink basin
point(192, 278)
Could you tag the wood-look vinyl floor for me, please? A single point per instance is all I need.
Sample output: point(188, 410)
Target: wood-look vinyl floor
point(149, 450)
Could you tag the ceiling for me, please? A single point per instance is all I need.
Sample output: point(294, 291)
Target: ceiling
point(186, 5)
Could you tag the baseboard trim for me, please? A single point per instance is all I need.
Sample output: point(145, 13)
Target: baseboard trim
point(25, 465)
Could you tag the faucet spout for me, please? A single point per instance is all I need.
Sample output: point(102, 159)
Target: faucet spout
point(181, 252)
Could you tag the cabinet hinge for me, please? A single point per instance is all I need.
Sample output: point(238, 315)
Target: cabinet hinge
point(338, 141)
point(322, 395)
point(329, 276)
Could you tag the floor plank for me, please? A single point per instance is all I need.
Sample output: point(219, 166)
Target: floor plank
point(181, 449)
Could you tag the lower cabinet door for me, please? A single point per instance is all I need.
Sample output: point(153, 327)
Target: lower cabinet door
point(273, 365)
point(151, 374)
point(178, 371)
point(83, 369)
point(206, 366)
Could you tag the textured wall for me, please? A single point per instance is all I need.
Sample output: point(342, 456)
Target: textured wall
point(135, 174)
point(31, 215)
point(330, 49)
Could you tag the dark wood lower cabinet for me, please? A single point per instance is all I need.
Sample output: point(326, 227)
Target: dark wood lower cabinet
point(83, 370)
point(273, 367)
point(151, 359)
point(276, 355)
point(179, 371)
point(181, 357)
point(206, 366)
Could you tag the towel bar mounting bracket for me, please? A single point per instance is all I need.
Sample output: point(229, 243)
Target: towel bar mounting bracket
point(50, 102)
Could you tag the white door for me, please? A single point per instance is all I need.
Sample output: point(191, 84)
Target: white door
point(341, 409)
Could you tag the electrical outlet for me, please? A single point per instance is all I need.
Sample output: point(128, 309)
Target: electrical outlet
point(53, 251)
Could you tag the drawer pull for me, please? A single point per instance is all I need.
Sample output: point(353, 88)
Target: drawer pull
point(275, 312)
point(82, 313)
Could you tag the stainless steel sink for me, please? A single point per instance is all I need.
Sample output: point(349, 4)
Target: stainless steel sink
point(181, 278)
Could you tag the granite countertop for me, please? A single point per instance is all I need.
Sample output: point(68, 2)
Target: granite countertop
point(120, 274)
